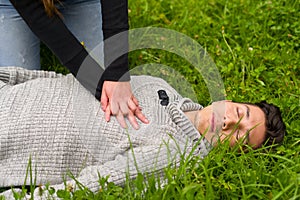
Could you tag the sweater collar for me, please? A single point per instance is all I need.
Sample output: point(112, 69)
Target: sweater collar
point(2, 84)
point(176, 110)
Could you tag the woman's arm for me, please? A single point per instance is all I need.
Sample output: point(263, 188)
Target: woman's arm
point(53, 32)
point(115, 23)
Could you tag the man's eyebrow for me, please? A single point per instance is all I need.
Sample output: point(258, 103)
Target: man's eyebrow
point(248, 111)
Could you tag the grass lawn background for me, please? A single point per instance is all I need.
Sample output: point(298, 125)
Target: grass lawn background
point(255, 45)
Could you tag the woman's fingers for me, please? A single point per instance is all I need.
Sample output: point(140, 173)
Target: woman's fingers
point(104, 100)
point(107, 113)
point(121, 111)
point(117, 100)
point(132, 120)
point(121, 120)
point(141, 116)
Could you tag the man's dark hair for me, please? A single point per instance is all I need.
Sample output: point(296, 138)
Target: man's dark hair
point(275, 127)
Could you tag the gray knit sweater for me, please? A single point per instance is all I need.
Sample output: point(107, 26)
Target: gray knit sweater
point(60, 125)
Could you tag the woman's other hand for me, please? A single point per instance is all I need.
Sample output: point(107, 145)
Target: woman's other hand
point(117, 99)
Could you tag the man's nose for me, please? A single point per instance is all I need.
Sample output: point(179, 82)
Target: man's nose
point(229, 122)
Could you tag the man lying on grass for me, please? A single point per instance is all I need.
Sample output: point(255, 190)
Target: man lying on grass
point(53, 120)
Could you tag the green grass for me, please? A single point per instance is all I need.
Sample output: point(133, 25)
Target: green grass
point(255, 45)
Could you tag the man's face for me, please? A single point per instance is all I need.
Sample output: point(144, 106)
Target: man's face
point(233, 121)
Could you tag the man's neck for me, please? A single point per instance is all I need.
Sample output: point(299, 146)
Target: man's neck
point(195, 118)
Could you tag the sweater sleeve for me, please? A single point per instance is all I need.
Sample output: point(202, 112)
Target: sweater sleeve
point(16, 75)
point(149, 159)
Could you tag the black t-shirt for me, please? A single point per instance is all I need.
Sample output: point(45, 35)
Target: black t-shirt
point(53, 33)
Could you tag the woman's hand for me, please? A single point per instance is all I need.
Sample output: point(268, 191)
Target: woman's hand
point(117, 99)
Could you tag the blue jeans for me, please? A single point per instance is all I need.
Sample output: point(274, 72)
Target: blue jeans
point(20, 47)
